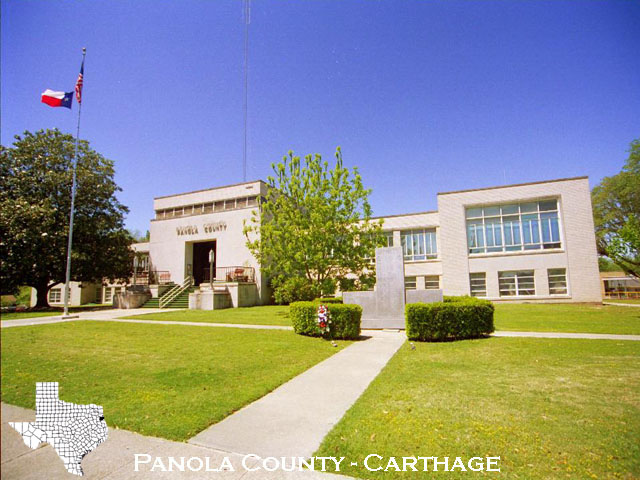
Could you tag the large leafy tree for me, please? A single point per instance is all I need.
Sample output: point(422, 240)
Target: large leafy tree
point(35, 201)
point(314, 229)
point(616, 209)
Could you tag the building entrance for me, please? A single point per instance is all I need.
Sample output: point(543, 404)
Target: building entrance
point(201, 261)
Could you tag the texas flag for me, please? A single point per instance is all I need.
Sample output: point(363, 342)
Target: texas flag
point(57, 99)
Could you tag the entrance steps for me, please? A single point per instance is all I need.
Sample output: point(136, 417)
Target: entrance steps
point(181, 301)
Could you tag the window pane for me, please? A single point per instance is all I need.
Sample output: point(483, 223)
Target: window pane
point(410, 283)
point(432, 282)
point(528, 207)
point(491, 211)
point(509, 209)
point(548, 205)
point(478, 283)
point(557, 281)
point(474, 212)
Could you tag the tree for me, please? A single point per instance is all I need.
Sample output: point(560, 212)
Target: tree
point(35, 200)
point(314, 229)
point(616, 210)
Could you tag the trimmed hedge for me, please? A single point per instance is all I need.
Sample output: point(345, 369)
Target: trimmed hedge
point(325, 300)
point(455, 318)
point(345, 319)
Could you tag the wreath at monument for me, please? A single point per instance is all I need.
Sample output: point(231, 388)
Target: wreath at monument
point(324, 320)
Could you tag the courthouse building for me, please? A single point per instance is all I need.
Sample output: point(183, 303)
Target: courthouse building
point(530, 242)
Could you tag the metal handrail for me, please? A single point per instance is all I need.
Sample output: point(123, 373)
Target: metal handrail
point(237, 273)
point(175, 292)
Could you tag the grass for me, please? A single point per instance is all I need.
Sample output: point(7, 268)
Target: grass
point(169, 381)
point(550, 408)
point(53, 311)
point(264, 315)
point(567, 318)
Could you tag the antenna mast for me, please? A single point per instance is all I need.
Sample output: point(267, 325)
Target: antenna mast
point(246, 7)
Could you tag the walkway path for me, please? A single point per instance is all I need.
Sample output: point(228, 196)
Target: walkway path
point(293, 419)
point(110, 314)
point(590, 336)
point(617, 304)
point(114, 459)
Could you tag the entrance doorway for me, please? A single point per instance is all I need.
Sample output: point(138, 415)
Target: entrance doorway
point(201, 261)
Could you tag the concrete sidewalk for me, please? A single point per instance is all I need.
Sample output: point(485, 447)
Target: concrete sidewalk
point(589, 336)
point(293, 419)
point(114, 459)
point(110, 314)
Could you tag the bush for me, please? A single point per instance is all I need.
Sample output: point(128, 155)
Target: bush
point(345, 319)
point(292, 289)
point(326, 300)
point(453, 319)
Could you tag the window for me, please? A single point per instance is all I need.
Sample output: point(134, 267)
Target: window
point(208, 207)
point(108, 294)
point(55, 295)
point(518, 283)
point(389, 238)
point(418, 244)
point(478, 282)
point(513, 227)
point(557, 281)
point(410, 283)
point(252, 201)
point(432, 282)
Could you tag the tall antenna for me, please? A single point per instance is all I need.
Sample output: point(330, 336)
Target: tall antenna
point(246, 7)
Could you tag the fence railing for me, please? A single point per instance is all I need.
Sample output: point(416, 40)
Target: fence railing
point(153, 277)
point(231, 274)
point(632, 292)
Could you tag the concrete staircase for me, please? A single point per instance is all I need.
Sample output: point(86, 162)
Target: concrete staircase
point(181, 301)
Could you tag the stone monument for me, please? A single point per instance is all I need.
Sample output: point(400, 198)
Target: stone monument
point(384, 306)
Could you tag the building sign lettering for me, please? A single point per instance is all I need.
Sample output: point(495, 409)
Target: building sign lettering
point(215, 227)
point(187, 230)
point(208, 228)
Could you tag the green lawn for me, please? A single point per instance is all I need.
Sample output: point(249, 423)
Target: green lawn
point(169, 381)
point(53, 311)
point(264, 315)
point(550, 408)
point(567, 318)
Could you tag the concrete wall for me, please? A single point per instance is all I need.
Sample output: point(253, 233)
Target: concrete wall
point(577, 254)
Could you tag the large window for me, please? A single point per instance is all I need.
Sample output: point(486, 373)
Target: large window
point(557, 281)
point(478, 282)
point(419, 244)
point(513, 227)
point(518, 283)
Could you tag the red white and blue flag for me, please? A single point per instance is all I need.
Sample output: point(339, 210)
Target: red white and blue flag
point(57, 99)
point(79, 83)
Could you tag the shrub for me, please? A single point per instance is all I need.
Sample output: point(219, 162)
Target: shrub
point(345, 319)
point(292, 289)
point(326, 300)
point(453, 319)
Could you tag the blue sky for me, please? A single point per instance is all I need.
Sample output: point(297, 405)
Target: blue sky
point(423, 96)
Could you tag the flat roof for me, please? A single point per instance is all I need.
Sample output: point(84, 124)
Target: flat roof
point(515, 185)
point(209, 189)
point(404, 214)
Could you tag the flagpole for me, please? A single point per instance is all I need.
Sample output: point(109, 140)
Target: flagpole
point(73, 202)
